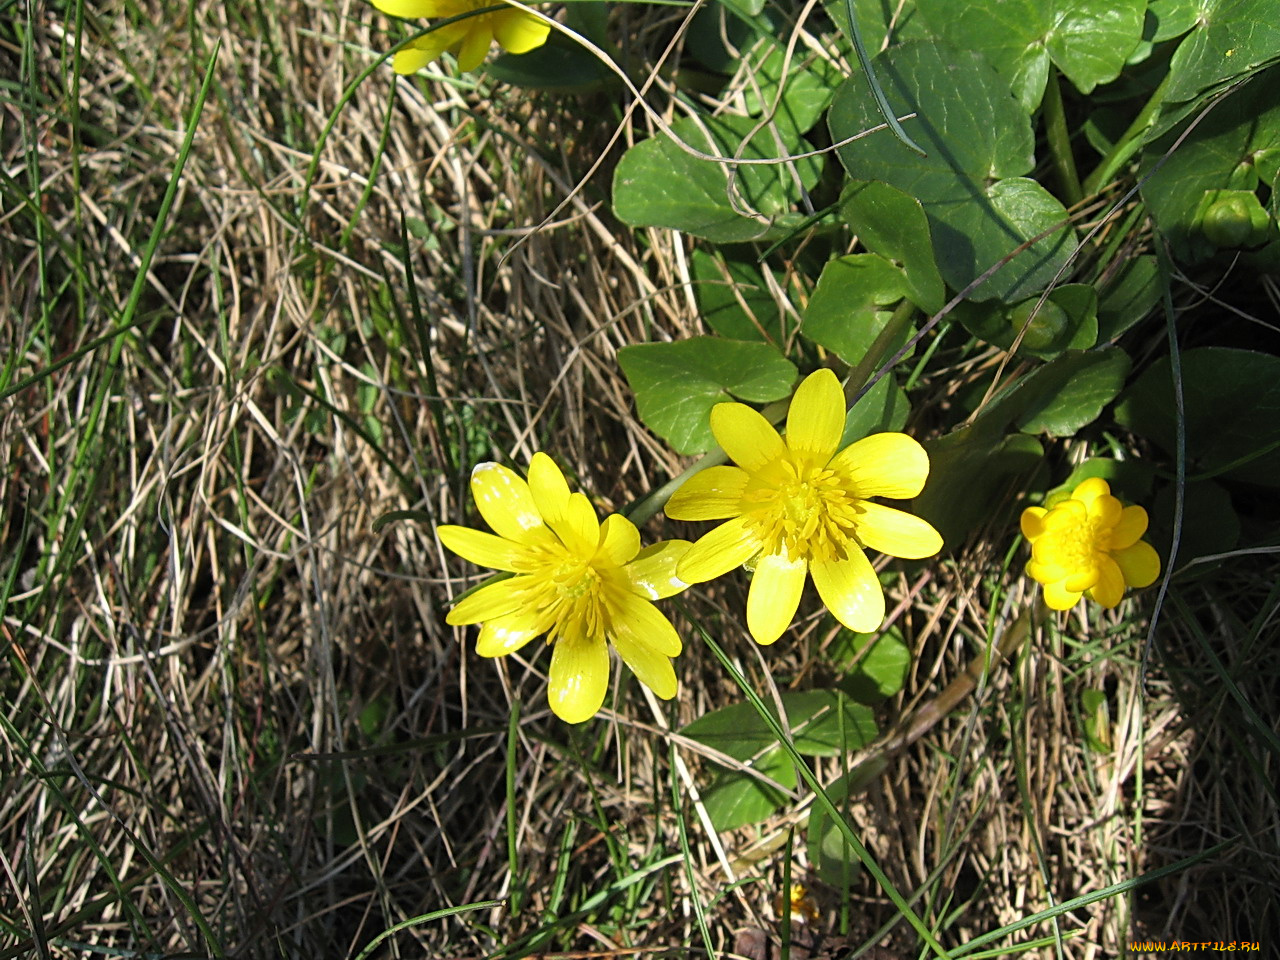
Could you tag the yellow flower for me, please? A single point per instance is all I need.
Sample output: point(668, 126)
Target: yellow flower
point(1089, 543)
point(468, 39)
point(581, 582)
point(798, 507)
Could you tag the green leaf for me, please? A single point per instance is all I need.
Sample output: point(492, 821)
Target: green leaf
point(736, 799)
point(1232, 405)
point(1210, 524)
point(1070, 392)
point(880, 671)
point(558, 66)
point(1219, 154)
point(884, 407)
point(975, 133)
point(677, 384)
point(806, 86)
point(1088, 40)
point(894, 225)
point(1129, 297)
point(1067, 320)
point(1129, 480)
point(1172, 18)
point(733, 299)
point(1231, 38)
point(844, 312)
point(974, 474)
point(658, 184)
point(816, 717)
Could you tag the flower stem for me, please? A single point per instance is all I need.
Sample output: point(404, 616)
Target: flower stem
point(1059, 140)
point(1128, 144)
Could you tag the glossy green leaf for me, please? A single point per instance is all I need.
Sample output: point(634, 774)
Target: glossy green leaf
point(880, 663)
point(884, 407)
point(1172, 18)
point(845, 313)
point(733, 299)
point(1128, 297)
point(1070, 392)
point(979, 144)
point(1088, 40)
point(1219, 154)
point(822, 723)
point(658, 184)
point(1210, 525)
point(1066, 320)
point(894, 225)
point(881, 24)
point(736, 799)
point(1231, 399)
point(677, 384)
point(974, 474)
point(1231, 38)
point(798, 91)
point(559, 66)
point(1130, 480)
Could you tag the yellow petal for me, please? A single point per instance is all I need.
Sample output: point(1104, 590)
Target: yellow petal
point(746, 436)
point(549, 488)
point(414, 57)
point(1139, 563)
point(500, 637)
point(1058, 597)
point(644, 623)
point(475, 45)
point(482, 549)
point(619, 539)
point(489, 602)
point(884, 465)
point(851, 591)
point(1084, 578)
point(578, 677)
point(570, 515)
point(711, 494)
point(1045, 572)
point(650, 667)
point(518, 31)
point(417, 9)
point(1104, 511)
point(1033, 522)
point(1129, 528)
point(653, 571)
point(896, 533)
point(1091, 489)
point(580, 529)
point(506, 503)
point(727, 546)
point(815, 421)
point(1109, 590)
point(774, 596)
point(1068, 514)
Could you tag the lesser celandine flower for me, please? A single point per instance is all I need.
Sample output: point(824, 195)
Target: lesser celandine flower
point(797, 507)
point(580, 582)
point(469, 39)
point(1088, 543)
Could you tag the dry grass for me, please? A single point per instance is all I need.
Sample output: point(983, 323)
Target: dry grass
point(234, 720)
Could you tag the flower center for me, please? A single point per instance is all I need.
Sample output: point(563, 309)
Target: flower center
point(811, 514)
point(1078, 546)
point(568, 595)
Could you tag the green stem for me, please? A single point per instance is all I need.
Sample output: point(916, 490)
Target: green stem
point(1059, 139)
point(1129, 142)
